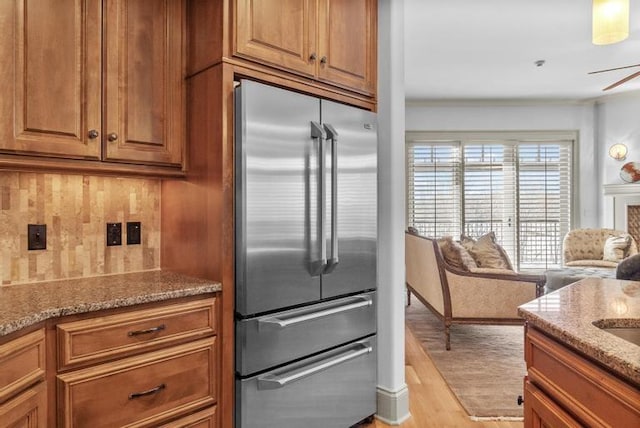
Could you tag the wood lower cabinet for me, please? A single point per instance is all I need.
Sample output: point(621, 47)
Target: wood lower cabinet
point(28, 410)
point(140, 391)
point(565, 389)
point(93, 80)
point(334, 41)
point(151, 367)
point(23, 395)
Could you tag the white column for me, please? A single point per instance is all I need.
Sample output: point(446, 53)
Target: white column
point(393, 396)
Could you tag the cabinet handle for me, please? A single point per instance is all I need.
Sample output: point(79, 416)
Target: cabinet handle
point(520, 400)
point(313, 57)
point(147, 392)
point(112, 137)
point(147, 331)
point(323, 60)
point(93, 134)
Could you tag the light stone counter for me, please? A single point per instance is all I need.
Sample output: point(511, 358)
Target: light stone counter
point(568, 315)
point(22, 305)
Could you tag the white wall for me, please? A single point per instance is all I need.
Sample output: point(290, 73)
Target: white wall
point(618, 122)
point(496, 116)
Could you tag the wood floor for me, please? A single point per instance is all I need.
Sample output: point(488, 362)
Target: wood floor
point(431, 403)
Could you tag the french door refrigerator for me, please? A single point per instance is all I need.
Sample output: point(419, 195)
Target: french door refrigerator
point(306, 247)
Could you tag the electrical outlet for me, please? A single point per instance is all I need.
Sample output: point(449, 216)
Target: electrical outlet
point(134, 232)
point(37, 236)
point(114, 234)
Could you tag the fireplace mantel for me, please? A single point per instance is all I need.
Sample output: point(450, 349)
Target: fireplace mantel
point(626, 207)
point(621, 189)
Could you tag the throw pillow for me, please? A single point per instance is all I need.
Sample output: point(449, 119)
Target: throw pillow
point(455, 255)
point(486, 252)
point(413, 230)
point(616, 247)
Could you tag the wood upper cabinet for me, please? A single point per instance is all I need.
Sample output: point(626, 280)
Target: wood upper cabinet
point(144, 95)
point(279, 32)
point(334, 41)
point(347, 43)
point(54, 80)
point(93, 79)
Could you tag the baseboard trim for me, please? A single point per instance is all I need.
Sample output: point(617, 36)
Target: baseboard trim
point(393, 406)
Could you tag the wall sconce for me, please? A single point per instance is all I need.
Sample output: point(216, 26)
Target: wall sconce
point(618, 151)
point(610, 21)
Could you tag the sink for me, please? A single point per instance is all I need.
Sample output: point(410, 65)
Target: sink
point(627, 329)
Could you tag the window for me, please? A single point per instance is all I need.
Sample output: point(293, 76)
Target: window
point(515, 184)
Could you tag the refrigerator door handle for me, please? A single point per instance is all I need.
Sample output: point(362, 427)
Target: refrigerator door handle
point(275, 322)
point(318, 133)
point(332, 135)
point(271, 381)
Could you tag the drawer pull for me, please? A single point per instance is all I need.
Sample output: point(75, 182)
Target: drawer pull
point(147, 331)
point(147, 392)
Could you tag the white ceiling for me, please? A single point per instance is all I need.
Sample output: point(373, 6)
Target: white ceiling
point(486, 49)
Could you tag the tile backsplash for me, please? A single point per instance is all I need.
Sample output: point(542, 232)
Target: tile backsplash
point(75, 209)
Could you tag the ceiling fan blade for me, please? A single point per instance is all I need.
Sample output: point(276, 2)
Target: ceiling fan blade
point(621, 81)
point(612, 69)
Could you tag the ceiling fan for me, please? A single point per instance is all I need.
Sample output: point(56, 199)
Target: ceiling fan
point(621, 81)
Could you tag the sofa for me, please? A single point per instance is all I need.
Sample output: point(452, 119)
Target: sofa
point(458, 296)
point(597, 248)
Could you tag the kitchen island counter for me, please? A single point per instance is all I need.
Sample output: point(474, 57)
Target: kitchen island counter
point(568, 315)
point(23, 305)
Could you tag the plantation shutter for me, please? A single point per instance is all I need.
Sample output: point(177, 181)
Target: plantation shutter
point(433, 188)
point(489, 193)
point(544, 201)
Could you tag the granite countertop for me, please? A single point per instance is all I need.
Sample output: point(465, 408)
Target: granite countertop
point(22, 305)
point(568, 315)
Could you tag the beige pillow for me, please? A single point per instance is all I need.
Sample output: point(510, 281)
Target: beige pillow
point(616, 247)
point(486, 252)
point(455, 255)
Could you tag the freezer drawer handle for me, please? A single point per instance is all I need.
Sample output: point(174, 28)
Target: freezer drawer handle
point(317, 266)
point(271, 381)
point(282, 323)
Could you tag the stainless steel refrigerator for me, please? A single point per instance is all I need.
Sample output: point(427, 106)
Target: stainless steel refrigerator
point(306, 247)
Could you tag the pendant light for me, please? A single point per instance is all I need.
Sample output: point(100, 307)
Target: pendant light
point(610, 21)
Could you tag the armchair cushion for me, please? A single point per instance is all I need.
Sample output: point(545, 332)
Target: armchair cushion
point(487, 252)
point(455, 255)
point(616, 247)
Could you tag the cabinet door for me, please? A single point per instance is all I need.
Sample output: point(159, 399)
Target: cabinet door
point(51, 92)
point(278, 32)
point(347, 43)
point(540, 411)
point(144, 108)
point(28, 409)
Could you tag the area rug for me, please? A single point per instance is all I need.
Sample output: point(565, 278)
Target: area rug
point(484, 368)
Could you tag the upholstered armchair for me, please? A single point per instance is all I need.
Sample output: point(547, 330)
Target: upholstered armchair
point(599, 248)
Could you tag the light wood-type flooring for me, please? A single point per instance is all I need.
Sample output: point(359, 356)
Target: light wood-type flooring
point(431, 403)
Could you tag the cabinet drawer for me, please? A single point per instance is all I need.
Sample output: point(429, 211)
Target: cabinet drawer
point(140, 391)
point(593, 396)
point(23, 363)
point(103, 338)
point(204, 419)
point(28, 409)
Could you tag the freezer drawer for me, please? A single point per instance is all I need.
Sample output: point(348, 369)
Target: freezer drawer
point(276, 339)
point(334, 389)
